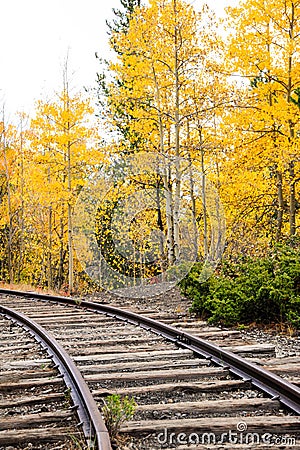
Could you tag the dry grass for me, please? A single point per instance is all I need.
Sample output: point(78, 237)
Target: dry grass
point(29, 288)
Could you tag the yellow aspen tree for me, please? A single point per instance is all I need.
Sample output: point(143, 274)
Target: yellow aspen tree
point(23, 160)
point(264, 50)
point(7, 157)
point(13, 171)
point(67, 149)
point(163, 54)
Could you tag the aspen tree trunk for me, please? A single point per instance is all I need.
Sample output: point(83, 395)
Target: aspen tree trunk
point(192, 194)
point(193, 204)
point(292, 199)
point(167, 179)
point(9, 206)
point(22, 226)
point(279, 177)
point(49, 261)
point(204, 204)
point(203, 193)
point(50, 237)
point(221, 225)
point(292, 183)
point(69, 181)
point(166, 176)
point(70, 227)
point(61, 252)
point(10, 220)
point(176, 211)
point(160, 225)
point(280, 208)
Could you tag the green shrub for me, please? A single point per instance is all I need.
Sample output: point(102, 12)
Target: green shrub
point(116, 411)
point(262, 290)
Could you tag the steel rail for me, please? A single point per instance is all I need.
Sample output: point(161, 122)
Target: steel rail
point(276, 387)
point(90, 419)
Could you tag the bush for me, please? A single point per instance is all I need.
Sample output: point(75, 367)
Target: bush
point(116, 411)
point(265, 290)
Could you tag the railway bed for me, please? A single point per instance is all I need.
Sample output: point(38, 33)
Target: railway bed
point(186, 396)
point(35, 404)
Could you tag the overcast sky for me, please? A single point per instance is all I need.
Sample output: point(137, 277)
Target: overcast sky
point(37, 35)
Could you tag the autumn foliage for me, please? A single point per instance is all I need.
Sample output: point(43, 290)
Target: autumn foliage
point(222, 95)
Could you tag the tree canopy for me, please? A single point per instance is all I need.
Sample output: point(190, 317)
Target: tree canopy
point(217, 102)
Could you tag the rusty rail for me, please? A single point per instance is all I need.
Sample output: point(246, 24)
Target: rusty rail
point(90, 419)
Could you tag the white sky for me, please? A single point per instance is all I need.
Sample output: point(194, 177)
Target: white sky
point(37, 35)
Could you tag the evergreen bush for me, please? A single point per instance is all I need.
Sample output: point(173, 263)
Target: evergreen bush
point(261, 290)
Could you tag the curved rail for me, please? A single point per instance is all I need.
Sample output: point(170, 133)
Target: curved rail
point(276, 387)
point(93, 426)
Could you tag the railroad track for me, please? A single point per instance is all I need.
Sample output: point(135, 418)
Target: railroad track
point(44, 398)
point(190, 392)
